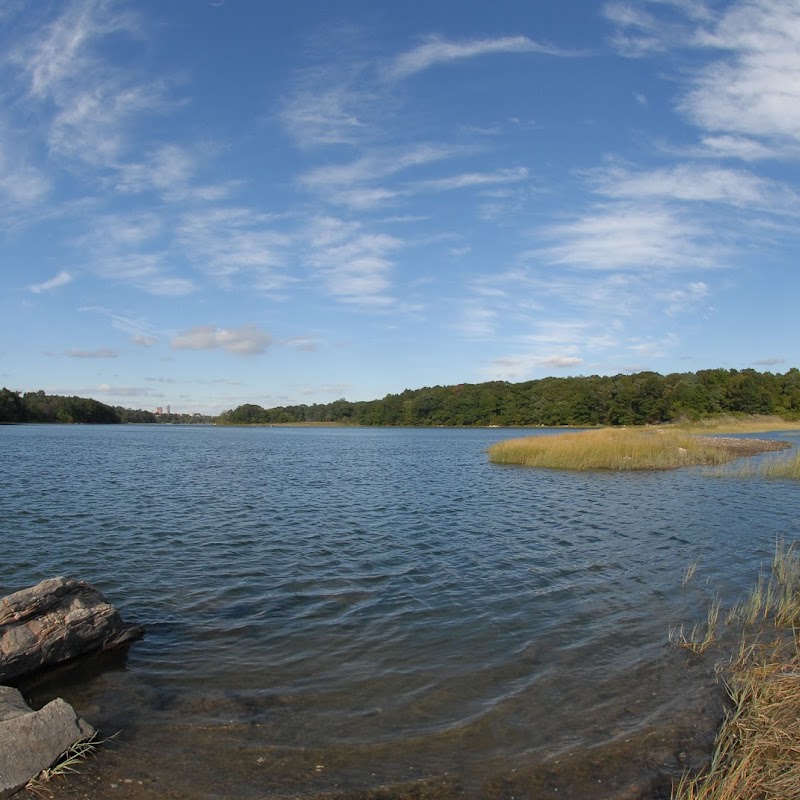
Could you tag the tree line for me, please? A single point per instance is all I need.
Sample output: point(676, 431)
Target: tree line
point(41, 407)
point(637, 399)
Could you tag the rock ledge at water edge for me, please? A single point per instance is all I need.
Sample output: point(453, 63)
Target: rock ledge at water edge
point(55, 621)
point(42, 626)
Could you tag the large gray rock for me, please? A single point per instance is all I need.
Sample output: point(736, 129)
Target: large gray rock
point(54, 621)
point(31, 741)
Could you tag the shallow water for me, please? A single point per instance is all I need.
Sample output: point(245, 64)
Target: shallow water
point(334, 609)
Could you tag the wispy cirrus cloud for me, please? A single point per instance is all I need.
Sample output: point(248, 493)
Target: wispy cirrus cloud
point(225, 242)
point(21, 182)
point(102, 352)
point(747, 96)
point(324, 110)
point(90, 103)
point(743, 148)
point(246, 340)
point(377, 178)
point(171, 171)
point(437, 50)
point(477, 320)
point(682, 299)
point(56, 282)
point(697, 183)
point(133, 248)
point(625, 236)
point(137, 328)
point(525, 366)
point(769, 362)
point(753, 89)
point(355, 102)
point(471, 180)
point(331, 179)
point(353, 262)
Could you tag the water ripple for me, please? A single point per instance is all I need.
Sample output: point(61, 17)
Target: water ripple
point(351, 588)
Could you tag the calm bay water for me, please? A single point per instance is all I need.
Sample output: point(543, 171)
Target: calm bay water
point(332, 608)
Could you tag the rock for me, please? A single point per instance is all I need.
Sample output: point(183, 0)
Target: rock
point(54, 621)
point(32, 741)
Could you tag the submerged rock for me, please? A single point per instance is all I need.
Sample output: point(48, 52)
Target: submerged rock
point(54, 621)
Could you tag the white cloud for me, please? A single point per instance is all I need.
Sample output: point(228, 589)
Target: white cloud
point(562, 362)
point(687, 298)
point(756, 90)
point(697, 183)
point(103, 352)
point(353, 262)
point(62, 279)
point(307, 344)
point(225, 242)
point(91, 102)
point(468, 180)
point(139, 330)
point(106, 390)
point(640, 31)
point(440, 51)
point(769, 362)
point(741, 147)
point(21, 184)
point(245, 340)
point(524, 367)
point(318, 114)
point(330, 181)
point(170, 170)
point(166, 168)
point(630, 237)
point(654, 347)
point(635, 34)
point(165, 286)
point(477, 321)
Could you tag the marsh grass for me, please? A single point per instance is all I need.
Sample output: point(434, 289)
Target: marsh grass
point(777, 467)
point(613, 449)
point(776, 597)
point(757, 752)
point(690, 572)
point(741, 424)
point(702, 635)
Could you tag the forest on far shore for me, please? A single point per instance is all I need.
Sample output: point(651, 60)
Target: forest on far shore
point(631, 399)
point(41, 407)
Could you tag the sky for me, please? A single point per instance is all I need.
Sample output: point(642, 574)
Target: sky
point(205, 203)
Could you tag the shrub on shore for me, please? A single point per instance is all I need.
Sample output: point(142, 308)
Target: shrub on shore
point(619, 449)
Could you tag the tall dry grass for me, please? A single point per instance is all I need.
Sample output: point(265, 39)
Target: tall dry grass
point(777, 468)
point(612, 449)
point(757, 752)
point(755, 423)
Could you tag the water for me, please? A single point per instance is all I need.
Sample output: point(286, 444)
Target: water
point(330, 609)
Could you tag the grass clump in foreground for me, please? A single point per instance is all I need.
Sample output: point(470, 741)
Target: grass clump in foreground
point(619, 449)
point(757, 752)
point(65, 765)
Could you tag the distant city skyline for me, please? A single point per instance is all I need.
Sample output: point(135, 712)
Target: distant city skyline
point(240, 202)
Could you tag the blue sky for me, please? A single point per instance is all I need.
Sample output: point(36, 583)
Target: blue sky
point(212, 202)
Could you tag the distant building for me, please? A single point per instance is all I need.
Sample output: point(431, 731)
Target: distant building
point(159, 410)
point(168, 411)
